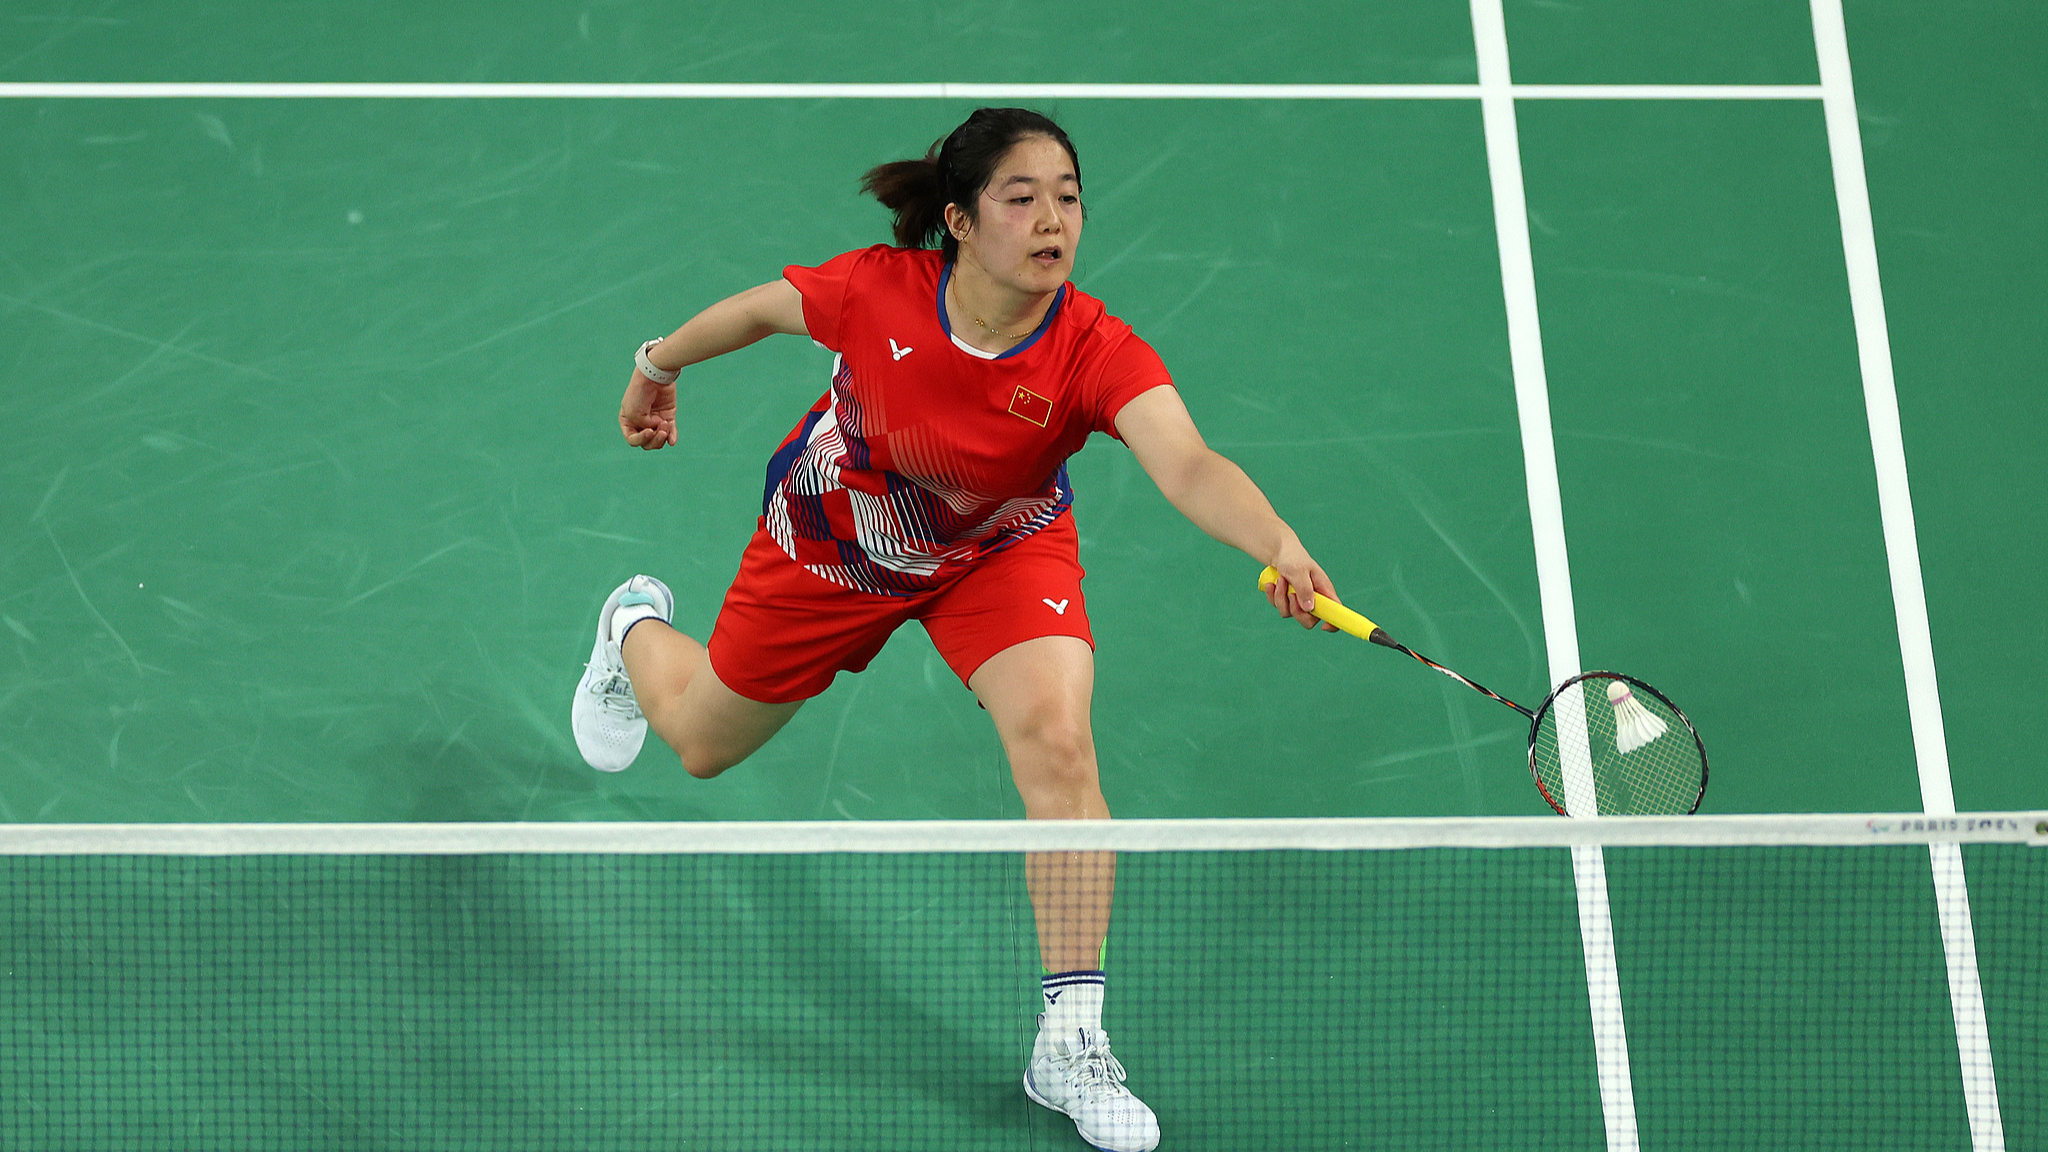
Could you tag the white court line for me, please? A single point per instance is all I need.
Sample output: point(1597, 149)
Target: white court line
point(942, 91)
point(1574, 752)
point(1666, 91)
point(1902, 554)
point(1966, 998)
point(1881, 404)
point(1553, 564)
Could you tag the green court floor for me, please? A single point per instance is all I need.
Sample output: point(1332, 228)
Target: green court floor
point(312, 487)
point(310, 459)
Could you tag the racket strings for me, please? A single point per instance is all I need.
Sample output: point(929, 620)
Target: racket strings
point(1629, 753)
point(1633, 756)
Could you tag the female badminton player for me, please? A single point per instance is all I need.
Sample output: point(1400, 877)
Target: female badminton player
point(929, 484)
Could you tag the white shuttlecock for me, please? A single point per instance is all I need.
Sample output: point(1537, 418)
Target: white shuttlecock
point(1634, 726)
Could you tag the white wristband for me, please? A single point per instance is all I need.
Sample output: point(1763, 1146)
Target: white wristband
point(647, 368)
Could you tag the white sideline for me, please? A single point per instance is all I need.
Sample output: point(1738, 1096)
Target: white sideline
point(1881, 405)
point(1553, 563)
point(1966, 998)
point(1902, 554)
point(231, 90)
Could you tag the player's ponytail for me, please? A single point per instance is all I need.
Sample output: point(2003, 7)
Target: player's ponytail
point(916, 193)
point(954, 171)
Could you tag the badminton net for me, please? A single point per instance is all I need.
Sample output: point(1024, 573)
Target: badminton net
point(1786, 982)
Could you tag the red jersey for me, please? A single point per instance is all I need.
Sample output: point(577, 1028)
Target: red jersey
point(927, 454)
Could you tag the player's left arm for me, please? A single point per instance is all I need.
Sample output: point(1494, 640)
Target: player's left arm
point(1215, 493)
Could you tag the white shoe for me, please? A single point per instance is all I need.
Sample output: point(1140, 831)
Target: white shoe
point(605, 717)
point(1075, 1074)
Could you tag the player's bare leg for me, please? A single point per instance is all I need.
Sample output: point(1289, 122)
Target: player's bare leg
point(708, 725)
point(643, 673)
point(1038, 694)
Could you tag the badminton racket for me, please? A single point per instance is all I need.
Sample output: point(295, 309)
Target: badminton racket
point(1600, 744)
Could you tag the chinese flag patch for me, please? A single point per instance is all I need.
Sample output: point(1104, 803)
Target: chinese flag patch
point(1031, 406)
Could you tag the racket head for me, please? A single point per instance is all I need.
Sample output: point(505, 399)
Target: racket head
point(1576, 750)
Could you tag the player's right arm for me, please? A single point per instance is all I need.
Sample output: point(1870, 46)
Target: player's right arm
point(647, 415)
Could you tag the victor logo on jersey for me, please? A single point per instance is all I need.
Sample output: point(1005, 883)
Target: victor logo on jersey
point(1031, 406)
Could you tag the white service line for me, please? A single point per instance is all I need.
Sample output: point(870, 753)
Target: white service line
point(1553, 564)
point(928, 91)
point(224, 90)
point(1902, 554)
point(1666, 91)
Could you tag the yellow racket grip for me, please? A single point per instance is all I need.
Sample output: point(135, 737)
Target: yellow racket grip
point(1328, 610)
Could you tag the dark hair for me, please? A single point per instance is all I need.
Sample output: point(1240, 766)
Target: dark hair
point(955, 171)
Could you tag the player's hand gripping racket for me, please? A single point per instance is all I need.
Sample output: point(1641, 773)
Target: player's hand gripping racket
point(1628, 751)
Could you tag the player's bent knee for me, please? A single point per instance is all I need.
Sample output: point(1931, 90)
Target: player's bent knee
point(702, 769)
point(706, 762)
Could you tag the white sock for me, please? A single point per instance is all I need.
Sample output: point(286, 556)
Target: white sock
point(627, 615)
point(1072, 1000)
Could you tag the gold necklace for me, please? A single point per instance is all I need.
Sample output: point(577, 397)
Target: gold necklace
point(995, 332)
point(978, 322)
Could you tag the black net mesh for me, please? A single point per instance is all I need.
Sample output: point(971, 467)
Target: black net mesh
point(1788, 998)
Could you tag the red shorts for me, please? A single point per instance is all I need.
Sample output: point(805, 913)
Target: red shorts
point(785, 632)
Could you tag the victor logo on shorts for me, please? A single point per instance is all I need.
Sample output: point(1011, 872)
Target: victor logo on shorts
point(1059, 606)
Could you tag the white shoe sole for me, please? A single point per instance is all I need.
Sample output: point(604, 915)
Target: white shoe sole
point(1047, 1104)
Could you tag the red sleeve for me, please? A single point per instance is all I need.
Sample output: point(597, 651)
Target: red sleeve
point(1133, 369)
point(824, 293)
